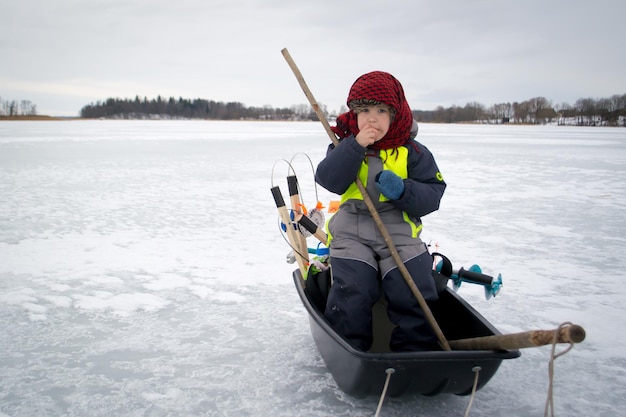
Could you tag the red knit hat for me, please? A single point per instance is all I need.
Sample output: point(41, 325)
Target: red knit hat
point(384, 88)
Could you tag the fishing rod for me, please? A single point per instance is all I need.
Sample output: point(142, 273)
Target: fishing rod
point(298, 223)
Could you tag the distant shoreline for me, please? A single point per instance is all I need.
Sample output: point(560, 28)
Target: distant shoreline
point(61, 118)
point(32, 118)
point(72, 118)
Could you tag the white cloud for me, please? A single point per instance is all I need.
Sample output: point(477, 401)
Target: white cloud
point(446, 53)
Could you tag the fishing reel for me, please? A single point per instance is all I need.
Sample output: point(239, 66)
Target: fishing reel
point(316, 216)
point(306, 225)
point(472, 275)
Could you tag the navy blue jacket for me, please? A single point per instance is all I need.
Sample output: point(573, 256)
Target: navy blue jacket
point(423, 188)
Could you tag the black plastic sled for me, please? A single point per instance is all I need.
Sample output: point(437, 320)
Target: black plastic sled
point(360, 374)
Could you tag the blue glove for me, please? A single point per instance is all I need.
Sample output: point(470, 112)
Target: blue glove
point(389, 184)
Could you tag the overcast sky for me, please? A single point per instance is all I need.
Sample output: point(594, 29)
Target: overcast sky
point(64, 54)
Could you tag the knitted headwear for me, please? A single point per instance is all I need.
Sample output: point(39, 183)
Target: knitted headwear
point(380, 87)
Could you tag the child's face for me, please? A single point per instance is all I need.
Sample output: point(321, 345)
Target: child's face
point(376, 119)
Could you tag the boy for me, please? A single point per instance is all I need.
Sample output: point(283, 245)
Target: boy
point(403, 181)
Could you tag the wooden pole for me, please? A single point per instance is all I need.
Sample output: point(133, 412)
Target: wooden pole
point(296, 207)
point(534, 338)
point(370, 205)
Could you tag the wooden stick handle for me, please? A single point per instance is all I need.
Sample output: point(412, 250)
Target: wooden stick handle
point(312, 228)
point(372, 209)
point(309, 95)
point(534, 338)
point(296, 204)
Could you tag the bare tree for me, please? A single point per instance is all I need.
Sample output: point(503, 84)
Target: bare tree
point(27, 108)
point(521, 111)
point(586, 108)
point(501, 112)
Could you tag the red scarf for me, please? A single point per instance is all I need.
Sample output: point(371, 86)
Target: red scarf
point(384, 88)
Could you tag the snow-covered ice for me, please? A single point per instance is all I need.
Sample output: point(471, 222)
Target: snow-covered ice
point(142, 272)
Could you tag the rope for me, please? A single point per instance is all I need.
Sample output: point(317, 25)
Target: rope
point(389, 371)
point(476, 370)
point(553, 357)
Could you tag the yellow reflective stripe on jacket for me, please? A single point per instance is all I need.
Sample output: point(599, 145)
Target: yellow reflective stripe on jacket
point(329, 236)
point(416, 229)
point(396, 160)
point(353, 193)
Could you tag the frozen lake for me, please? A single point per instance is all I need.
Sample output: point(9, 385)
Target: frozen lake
point(142, 272)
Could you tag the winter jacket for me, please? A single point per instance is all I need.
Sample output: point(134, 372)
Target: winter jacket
point(423, 189)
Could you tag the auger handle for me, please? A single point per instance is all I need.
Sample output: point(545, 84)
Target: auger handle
point(475, 277)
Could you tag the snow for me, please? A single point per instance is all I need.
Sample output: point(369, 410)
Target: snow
point(142, 272)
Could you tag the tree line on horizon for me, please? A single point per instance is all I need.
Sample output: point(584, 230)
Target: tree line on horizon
point(181, 108)
point(609, 111)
